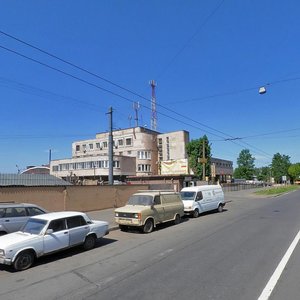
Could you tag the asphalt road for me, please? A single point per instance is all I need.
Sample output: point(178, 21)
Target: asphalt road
point(229, 255)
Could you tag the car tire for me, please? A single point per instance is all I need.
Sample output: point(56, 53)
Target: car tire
point(196, 213)
point(148, 227)
point(89, 242)
point(177, 219)
point(123, 228)
point(2, 233)
point(220, 208)
point(24, 260)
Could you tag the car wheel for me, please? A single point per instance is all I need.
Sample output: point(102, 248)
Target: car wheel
point(148, 227)
point(123, 228)
point(177, 219)
point(196, 213)
point(2, 233)
point(24, 261)
point(89, 242)
point(220, 208)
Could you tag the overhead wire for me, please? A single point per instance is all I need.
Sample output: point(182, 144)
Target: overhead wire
point(108, 91)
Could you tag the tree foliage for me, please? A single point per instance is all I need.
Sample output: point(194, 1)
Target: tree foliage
point(195, 152)
point(280, 166)
point(245, 164)
point(263, 173)
point(294, 171)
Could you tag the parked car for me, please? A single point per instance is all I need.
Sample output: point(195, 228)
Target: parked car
point(199, 199)
point(14, 215)
point(48, 233)
point(146, 209)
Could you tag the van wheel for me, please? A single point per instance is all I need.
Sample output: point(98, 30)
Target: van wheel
point(123, 228)
point(148, 227)
point(177, 219)
point(220, 208)
point(196, 213)
point(24, 260)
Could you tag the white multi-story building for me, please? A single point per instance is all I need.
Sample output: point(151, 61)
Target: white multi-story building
point(136, 152)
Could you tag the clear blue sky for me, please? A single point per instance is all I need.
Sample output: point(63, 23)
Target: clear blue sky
point(208, 57)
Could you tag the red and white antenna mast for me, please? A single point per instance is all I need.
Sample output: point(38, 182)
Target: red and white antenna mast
point(153, 106)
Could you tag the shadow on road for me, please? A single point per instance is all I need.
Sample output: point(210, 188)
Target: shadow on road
point(62, 254)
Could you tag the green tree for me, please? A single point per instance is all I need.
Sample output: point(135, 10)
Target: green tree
point(195, 152)
point(245, 168)
point(263, 173)
point(294, 171)
point(280, 166)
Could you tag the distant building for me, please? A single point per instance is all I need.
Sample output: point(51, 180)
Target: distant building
point(37, 170)
point(221, 170)
point(137, 151)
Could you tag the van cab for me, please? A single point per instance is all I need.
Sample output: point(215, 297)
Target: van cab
point(146, 209)
point(199, 199)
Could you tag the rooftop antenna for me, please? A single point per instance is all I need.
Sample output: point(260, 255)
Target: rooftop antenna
point(136, 107)
point(153, 106)
point(130, 118)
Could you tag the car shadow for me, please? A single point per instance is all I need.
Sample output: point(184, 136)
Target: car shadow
point(61, 254)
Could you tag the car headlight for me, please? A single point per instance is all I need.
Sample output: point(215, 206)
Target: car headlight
point(137, 216)
point(2, 252)
point(116, 214)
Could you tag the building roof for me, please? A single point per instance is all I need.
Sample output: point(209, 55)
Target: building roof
point(31, 180)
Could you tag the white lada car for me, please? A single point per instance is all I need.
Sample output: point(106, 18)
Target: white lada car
point(48, 233)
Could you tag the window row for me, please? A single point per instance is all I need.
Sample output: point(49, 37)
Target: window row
point(144, 154)
point(144, 168)
point(104, 145)
point(87, 165)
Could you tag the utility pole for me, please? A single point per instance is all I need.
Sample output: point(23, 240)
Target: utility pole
point(204, 160)
point(110, 149)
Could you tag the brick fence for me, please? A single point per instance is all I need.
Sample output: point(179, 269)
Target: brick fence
point(78, 198)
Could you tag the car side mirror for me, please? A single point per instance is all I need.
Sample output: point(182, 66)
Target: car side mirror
point(49, 231)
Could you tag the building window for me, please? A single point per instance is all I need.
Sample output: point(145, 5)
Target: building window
point(55, 168)
point(128, 142)
point(129, 152)
point(144, 154)
point(98, 145)
point(104, 144)
point(168, 148)
point(77, 147)
point(91, 146)
point(144, 168)
point(120, 142)
point(116, 164)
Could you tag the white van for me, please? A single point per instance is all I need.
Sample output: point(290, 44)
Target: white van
point(199, 199)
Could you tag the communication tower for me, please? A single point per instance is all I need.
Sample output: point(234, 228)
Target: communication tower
point(153, 106)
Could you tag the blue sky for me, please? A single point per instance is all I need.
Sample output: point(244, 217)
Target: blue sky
point(209, 59)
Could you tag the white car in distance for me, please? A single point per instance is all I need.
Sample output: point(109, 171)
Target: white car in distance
point(49, 233)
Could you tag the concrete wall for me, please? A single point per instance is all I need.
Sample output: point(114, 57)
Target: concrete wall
point(79, 198)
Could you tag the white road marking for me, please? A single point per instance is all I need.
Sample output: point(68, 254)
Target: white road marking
point(266, 293)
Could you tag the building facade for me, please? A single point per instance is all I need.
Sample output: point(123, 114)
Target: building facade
point(136, 152)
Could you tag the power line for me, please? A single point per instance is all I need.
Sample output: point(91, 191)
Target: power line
point(125, 98)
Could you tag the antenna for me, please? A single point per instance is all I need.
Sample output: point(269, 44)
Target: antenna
point(153, 105)
point(136, 107)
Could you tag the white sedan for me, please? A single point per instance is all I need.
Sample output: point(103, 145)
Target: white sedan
point(48, 233)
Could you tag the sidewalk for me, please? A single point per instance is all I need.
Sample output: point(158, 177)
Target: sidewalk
point(107, 215)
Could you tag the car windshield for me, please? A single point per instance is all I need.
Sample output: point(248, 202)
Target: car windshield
point(187, 195)
point(140, 200)
point(34, 226)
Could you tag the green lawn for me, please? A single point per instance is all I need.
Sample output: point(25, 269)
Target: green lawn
point(278, 190)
